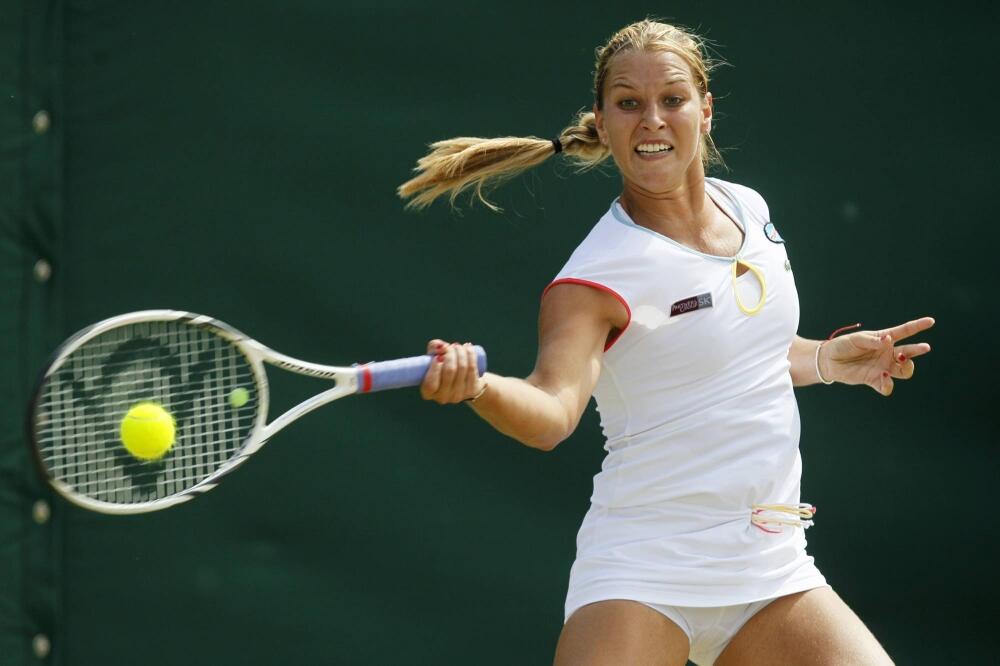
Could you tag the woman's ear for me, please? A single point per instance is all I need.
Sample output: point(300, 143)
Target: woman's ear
point(599, 121)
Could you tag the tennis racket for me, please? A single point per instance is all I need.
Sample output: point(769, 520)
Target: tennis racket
point(207, 375)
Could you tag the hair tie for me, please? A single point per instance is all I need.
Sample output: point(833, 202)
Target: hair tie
point(557, 144)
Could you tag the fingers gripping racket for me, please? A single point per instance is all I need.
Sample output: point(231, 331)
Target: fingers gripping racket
point(203, 377)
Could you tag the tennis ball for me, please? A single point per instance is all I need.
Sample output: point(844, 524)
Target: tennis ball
point(239, 397)
point(148, 431)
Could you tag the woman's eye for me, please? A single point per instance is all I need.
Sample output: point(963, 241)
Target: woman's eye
point(674, 100)
point(628, 104)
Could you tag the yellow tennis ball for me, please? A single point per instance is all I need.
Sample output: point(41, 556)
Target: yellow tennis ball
point(239, 397)
point(148, 431)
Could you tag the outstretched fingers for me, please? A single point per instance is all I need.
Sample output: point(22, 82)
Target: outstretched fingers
point(912, 350)
point(876, 341)
point(888, 362)
point(910, 328)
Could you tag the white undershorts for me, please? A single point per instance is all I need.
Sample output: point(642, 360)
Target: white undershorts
point(709, 629)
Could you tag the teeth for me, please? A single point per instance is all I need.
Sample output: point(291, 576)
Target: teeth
point(653, 147)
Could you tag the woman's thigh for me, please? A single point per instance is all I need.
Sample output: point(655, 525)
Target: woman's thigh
point(812, 628)
point(616, 632)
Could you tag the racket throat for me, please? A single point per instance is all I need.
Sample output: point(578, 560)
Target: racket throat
point(345, 386)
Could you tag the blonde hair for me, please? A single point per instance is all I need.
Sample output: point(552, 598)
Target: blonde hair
point(454, 165)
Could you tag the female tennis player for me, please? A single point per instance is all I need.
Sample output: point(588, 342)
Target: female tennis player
point(678, 313)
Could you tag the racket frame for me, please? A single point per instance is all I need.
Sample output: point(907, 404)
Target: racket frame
point(257, 354)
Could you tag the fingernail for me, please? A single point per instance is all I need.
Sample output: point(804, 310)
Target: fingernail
point(885, 375)
point(440, 358)
point(902, 358)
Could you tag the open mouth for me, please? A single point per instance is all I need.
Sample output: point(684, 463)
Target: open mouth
point(653, 148)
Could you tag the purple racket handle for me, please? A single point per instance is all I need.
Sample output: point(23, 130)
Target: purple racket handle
point(403, 372)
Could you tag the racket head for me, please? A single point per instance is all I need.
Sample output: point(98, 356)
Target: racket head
point(190, 365)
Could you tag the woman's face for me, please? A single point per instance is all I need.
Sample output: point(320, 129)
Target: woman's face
point(653, 120)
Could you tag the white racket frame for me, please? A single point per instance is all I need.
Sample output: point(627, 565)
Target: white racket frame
point(257, 354)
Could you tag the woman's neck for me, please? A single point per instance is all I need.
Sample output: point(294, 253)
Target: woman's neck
point(680, 213)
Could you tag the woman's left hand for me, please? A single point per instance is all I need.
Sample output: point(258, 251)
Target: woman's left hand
point(872, 357)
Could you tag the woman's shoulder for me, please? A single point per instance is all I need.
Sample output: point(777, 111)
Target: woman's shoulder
point(608, 234)
point(611, 247)
point(746, 197)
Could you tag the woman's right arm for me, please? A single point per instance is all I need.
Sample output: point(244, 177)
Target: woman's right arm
point(544, 408)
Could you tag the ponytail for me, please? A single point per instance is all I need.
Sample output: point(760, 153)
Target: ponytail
point(455, 165)
point(458, 164)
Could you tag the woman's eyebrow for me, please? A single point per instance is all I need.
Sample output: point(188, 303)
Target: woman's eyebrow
point(625, 83)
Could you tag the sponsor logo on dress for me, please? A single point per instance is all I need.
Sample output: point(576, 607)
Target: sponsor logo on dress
point(772, 233)
point(690, 304)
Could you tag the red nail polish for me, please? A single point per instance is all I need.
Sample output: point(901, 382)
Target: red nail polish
point(440, 358)
point(885, 375)
point(902, 358)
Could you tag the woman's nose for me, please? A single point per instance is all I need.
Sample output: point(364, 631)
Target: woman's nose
point(652, 119)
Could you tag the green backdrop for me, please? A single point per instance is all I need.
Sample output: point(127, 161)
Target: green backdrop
point(240, 160)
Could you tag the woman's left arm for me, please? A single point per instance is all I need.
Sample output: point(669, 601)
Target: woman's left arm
point(865, 357)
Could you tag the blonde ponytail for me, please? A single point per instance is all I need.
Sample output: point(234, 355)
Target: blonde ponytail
point(581, 143)
point(455, 165)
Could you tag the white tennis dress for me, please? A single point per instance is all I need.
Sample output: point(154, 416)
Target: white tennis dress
point(700, 418)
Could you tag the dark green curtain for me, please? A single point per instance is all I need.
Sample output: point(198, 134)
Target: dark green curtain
point(240, 160)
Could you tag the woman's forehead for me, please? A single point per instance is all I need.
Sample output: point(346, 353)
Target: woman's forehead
point(632, 66)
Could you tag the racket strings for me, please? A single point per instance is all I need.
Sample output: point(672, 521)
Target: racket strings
point(62, 470)
point(187, 369)
point(120, 484)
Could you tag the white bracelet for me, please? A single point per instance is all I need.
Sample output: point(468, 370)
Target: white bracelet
point(818, 373)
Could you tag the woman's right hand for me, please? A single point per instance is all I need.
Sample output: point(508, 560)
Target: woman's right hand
point(544, 408)
point(453, 376)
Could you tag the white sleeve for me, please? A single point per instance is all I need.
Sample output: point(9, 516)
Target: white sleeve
point(753, 201)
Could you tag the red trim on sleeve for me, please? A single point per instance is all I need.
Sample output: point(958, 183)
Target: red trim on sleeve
point(366, 379)
point(601, 287)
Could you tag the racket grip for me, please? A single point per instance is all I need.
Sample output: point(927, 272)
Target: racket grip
point(403, 372)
